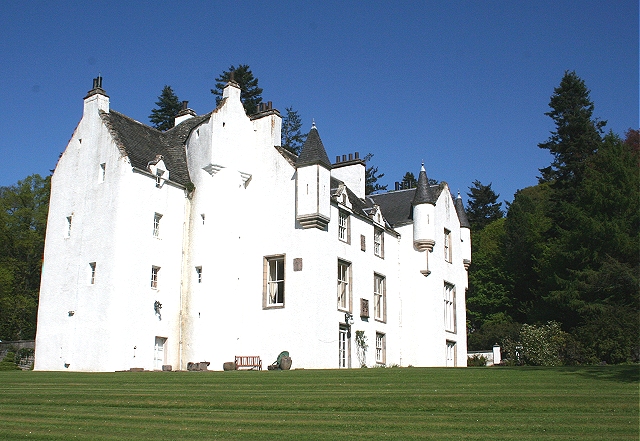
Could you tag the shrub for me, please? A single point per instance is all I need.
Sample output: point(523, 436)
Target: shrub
point(477, 360)
point(8, 363)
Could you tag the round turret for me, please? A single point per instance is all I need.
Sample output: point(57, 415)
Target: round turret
point(424, 210)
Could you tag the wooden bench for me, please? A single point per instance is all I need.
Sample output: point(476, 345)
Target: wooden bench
point(248, 361)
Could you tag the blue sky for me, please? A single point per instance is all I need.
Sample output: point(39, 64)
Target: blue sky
point(460, 85)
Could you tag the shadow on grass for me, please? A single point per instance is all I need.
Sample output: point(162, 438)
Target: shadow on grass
point(621, 373)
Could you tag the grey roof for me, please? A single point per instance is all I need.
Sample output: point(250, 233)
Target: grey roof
point(462, 215)
point(423, 194)
point(397, 206)
point(313, 151)
point(142, 143)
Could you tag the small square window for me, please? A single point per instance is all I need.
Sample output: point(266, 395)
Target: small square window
point(155, 270)
point(199, 273)
point(202, 216)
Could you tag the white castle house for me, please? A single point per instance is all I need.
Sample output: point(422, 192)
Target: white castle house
point(210, 240)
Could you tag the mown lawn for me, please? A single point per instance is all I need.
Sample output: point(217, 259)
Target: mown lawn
point(586, 403)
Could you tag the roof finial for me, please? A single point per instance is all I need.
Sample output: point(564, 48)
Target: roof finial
point(313, 123)
point(422, 167)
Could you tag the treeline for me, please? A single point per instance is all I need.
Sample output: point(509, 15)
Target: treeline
point(555, 281)
point(23, 222)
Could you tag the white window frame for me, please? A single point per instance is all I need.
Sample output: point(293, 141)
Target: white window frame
point(447, 246)
point(451, 350)
point(274, 281)
point(344, 347)
point(449, 307)
point(379, 297)
point(378, 242)
point(381, 348)
point(344, 286)
point(156, 225)
point(343, 226)
point(155, 271)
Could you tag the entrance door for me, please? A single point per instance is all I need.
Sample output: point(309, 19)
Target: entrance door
point(159, 354)
point(344, 359)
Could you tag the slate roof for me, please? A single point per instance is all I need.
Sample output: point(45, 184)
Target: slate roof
point(313, 151)
point(462, 215)
point(141, 143)
point(396, 206)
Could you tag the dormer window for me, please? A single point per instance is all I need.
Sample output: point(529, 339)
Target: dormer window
point(159, 174)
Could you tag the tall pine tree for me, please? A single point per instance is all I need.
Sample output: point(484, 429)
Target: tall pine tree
point(250, 93)
point(483, 206)
point(292, 139)
point(162, 117)
point(577, 135)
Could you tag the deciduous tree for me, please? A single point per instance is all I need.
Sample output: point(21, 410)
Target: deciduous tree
point(23, 220)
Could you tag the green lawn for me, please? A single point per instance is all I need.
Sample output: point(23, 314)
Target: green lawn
point(586, 403)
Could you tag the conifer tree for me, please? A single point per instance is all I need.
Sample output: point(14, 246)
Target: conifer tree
point(371, 177)
point(250, 93)
point(482, 206)
point(291, 138)
point(162, 117)
point(577, 135)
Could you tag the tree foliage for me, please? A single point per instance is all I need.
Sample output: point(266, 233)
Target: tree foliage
point(23, 220)
point(292, 139)
point(250, 93)
point(371, 177)
point(577, 135)
point(162, 117)
point(483, 206)
point(567, 251)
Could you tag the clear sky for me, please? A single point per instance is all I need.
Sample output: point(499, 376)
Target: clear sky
point(460, 85)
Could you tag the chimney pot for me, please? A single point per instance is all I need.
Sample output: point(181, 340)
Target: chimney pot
point(337, 159)
point(357, 155)
point(350, 156)
point(344, 158)
point(397, 186)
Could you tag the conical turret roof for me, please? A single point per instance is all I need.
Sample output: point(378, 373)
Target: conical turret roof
point(313, 151)
point(462, 215)
point(423, 194)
